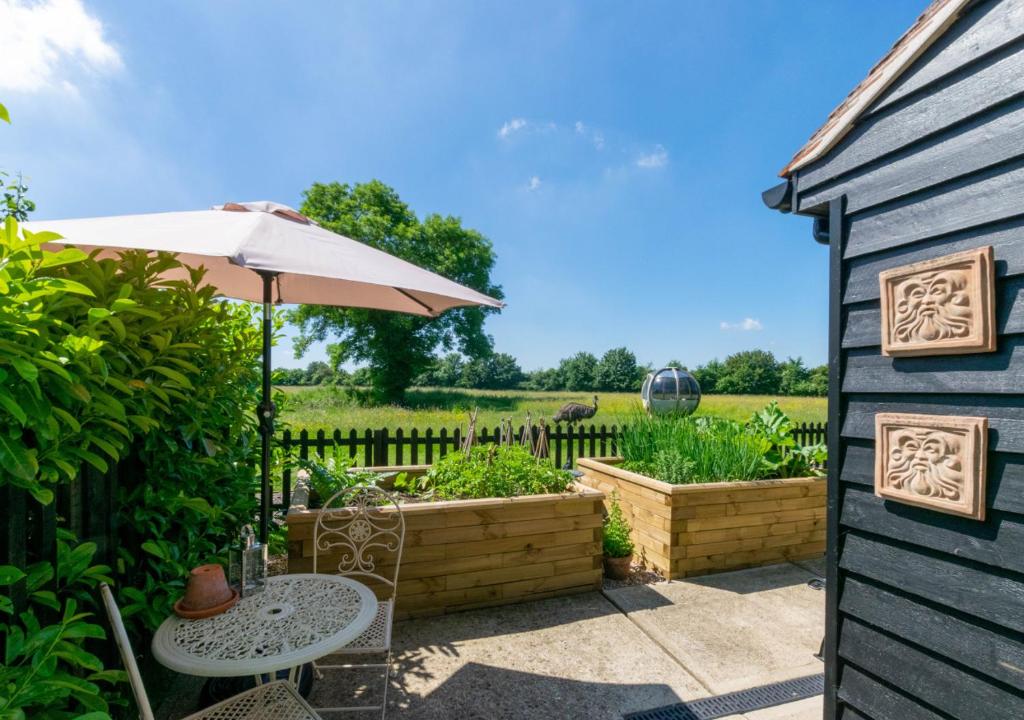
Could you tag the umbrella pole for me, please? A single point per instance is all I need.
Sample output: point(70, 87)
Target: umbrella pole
point(265, 411)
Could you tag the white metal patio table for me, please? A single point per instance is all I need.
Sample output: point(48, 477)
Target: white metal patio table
point(295, 620)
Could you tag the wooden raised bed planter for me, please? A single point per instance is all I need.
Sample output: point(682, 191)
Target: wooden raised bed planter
point(687, 530)
point(463, 554)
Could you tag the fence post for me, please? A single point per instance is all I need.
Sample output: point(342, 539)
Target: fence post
point(14, 536)
point(286, 471)
point(399, 438)
point(380, 447)
point(368, 443)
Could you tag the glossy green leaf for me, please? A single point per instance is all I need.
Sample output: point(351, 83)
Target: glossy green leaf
point(16, 459)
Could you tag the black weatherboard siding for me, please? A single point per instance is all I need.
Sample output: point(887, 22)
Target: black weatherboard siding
point(925, 611)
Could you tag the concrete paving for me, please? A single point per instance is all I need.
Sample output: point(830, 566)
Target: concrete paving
point(734, 630)
point(597, 656)
point(575, 657)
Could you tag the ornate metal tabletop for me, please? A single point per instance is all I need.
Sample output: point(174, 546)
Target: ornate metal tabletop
point(295, 620)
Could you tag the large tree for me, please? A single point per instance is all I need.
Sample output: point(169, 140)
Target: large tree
point(618, 371)
point(578, 372)
point(751, 372)
point(397, 347)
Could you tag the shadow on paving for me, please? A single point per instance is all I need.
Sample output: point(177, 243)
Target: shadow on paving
point(557, 658)
point(482, 692)
point(752, 580)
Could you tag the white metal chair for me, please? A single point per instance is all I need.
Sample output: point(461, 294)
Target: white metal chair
point(362, 530)
point(273, 701)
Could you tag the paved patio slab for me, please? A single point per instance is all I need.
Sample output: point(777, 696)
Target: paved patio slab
point(589, 658)
point(575, 657)
point(734, 630)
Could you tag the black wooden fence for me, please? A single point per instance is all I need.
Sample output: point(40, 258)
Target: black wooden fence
point(384, 447)
point(85, 506)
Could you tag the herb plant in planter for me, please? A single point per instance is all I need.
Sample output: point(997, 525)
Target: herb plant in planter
point(327, 477)
point(618, 547)
point(494, 471)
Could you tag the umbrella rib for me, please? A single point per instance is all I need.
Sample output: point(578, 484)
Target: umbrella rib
point(417, 301)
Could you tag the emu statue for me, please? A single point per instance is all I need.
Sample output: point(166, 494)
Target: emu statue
point(573, 412)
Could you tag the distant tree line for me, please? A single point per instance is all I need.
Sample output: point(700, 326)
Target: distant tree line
point(757, 372)
point(751, 372)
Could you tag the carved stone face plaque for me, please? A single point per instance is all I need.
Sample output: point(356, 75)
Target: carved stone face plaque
point(935, 461)
point(944, 306)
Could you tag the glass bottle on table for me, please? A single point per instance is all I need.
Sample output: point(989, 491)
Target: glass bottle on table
point(249, 564)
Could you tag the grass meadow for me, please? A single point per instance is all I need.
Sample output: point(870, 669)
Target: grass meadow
point(329, 408)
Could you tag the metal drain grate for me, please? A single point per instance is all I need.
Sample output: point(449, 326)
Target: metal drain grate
point(737, 702)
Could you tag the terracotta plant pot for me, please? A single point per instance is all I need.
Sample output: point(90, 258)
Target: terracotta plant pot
point(207, 593)
point(617, 568)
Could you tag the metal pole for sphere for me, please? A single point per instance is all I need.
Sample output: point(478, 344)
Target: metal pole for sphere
point(265, 412)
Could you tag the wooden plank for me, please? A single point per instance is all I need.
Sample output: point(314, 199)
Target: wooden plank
point(442, 599)
point(985, 197)
point(848, 713)
point(762, 518)
point(449, 566)
point(1005, 414)
point(473, 533)
point(519, 543)
point(984, 28)
point(878, 701)
point(554, 582)
point(961, 537)
point(1004, 485)
point(964, 149)
point(999, 372)
point(994, 654)
point(498, 576)
point(489, 516)
point(560, 552)
point(966, 92)
point(1006, 239)
point(926, 677)
point(980, 591)
point(796, 490)
point(863, 323)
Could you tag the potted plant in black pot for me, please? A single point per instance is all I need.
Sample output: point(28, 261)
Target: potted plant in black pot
point(618, 547)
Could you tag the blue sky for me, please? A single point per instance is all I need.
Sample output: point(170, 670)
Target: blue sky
point(613, 152)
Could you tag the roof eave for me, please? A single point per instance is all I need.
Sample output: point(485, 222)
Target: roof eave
point(935, 20)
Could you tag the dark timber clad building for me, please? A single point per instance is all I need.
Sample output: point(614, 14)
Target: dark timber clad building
point(922, 162)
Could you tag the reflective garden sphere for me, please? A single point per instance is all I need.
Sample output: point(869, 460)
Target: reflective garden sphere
point(670, 390)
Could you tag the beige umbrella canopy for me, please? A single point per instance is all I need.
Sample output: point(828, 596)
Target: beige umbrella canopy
point(312, 265)
point(267, 252)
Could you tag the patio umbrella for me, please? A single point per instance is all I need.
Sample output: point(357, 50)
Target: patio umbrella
point(267, 252)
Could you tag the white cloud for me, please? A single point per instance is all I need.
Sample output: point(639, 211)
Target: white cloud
point(596, 137)
point(746, 325)
point(533, 184)
point(43, 42)
point(654, 159)
point(511, 127)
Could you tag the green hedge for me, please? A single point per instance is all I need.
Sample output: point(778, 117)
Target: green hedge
point(99, 360)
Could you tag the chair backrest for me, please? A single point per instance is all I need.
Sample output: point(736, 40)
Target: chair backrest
point(364, 526)
point(127, 656)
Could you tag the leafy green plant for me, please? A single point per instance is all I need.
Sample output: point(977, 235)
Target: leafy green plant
point(331, 475)
point(785, 458)
point(494, 471)
point(685, 449)
point(47, 671)
point(616, 540)
point(681, 449)
point(102, 362)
